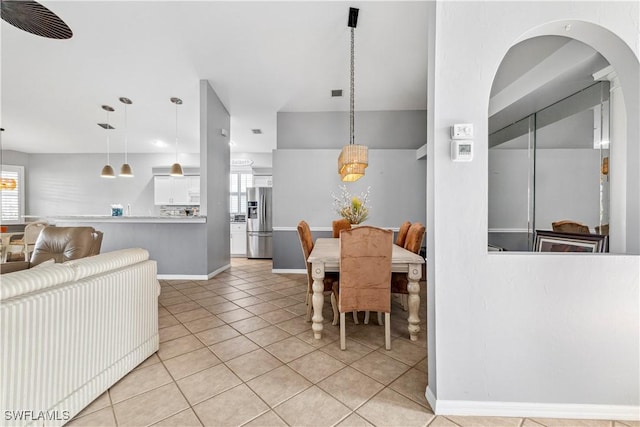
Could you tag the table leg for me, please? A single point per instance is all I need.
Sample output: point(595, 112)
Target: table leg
point(317, 272)
point(414, 275)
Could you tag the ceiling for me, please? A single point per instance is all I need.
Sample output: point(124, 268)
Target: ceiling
point(260, 57)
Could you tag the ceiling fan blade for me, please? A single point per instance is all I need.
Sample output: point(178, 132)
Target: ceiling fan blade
point(34, 18)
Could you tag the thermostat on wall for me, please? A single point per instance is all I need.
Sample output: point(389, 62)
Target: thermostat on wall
point(461, 150)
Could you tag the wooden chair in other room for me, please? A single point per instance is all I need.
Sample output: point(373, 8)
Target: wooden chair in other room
point(339, 225)
point(568, 226)
point(413, 243)
point(306, 242)
point(402, 233)
point(365, 275)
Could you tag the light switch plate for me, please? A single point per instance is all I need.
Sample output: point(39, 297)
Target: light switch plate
point(462, 131)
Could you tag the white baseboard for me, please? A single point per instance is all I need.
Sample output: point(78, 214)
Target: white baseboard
point(218, 271)
point(431, 398)
point(289, 271)
point(182, 277)
point(194, 276)
point(531, 410)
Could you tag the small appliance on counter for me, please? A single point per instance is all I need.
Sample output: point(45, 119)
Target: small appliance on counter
point(117, 210)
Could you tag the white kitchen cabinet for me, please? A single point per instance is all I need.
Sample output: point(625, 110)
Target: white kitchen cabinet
point(262, 181)
point(238, 238)
point(176, 190)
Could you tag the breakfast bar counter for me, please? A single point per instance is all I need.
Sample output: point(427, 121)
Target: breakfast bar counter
point(177, 243)
point(63, 220)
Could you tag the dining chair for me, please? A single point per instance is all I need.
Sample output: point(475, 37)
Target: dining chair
point(413, 243)
point(306, 242)
point(568, 226)
point(339, 225)
point(402, 233)
point(365, 275)
point(602, 229)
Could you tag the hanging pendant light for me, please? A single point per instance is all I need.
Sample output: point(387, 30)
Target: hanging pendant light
point(176, 169)
point(107, 170)
point(125, 169)
point(353, 158)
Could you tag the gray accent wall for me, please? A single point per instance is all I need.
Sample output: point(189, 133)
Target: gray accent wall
point(215, 154)
point(375, 129)
point(304, 180)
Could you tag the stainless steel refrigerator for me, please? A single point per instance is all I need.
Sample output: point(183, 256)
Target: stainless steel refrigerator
point(259, 224)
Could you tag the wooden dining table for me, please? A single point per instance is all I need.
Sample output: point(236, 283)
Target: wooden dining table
point(325, 257)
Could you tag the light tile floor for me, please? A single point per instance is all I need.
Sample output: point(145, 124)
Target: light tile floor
point(236, 351)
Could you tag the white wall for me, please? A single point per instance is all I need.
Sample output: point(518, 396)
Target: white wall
point(70, 184)
point(523, 334)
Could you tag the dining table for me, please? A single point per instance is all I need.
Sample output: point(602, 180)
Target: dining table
point(325, 257)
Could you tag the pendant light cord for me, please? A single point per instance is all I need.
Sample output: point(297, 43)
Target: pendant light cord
point(108, 149)
point(352, 91)
point(126, 137)
point(176, 132)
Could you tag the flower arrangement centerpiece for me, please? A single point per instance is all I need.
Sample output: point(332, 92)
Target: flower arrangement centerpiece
point(352, 208)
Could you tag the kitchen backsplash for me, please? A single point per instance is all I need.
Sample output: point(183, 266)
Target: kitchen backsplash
point(175, 210)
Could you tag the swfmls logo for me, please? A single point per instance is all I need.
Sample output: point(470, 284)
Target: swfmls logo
point(36, 415)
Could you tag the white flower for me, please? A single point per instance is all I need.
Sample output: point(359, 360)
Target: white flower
point(352, 208)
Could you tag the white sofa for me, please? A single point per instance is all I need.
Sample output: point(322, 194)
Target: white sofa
point(70, 331)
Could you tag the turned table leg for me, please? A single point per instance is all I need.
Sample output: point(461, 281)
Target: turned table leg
point(414, 275)
point(317, 272)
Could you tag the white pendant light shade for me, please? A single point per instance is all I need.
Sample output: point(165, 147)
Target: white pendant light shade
point(107, 170)
point(176, 168)
point(353, 158)
point(125, 169)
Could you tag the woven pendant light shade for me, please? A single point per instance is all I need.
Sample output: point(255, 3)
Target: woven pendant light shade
point(352, 162)
point(107, 172)
point(176, 170)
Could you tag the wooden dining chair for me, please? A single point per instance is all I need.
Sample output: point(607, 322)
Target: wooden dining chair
point(339, 225)
point(568, 226)
point(306, 242)
point(602, 229)
point(413, 243)
point(402, 233)
point(365, 275)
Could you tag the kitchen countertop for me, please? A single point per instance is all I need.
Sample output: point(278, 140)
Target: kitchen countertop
point(126, 219)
